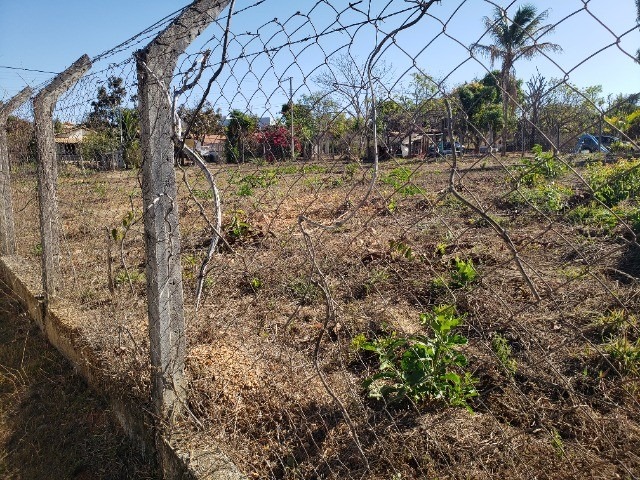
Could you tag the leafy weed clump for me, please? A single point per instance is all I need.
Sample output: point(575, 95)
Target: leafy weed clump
point(614, 183)
point(261, 180)
point(463, 273)
point(546, 197)
point(626, 354)
point(616, 322)
point(238, 228)
point(595, 215)
point(400, 179)
point(544, 166)
point(606, 219)
point(619, 332)
point(401, 249)
point(304, 291)
point(501, 347)
point(419, 367)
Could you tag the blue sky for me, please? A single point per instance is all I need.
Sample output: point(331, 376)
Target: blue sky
point(49, 36)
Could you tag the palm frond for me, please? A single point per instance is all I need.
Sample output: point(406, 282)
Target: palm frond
point(494, 52)
point(530, 51)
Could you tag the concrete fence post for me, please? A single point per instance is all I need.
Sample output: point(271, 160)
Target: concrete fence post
point(7, 226)
point(155, 66)
point(43, 105)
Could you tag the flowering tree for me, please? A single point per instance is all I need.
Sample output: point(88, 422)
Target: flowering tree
point(275, 141)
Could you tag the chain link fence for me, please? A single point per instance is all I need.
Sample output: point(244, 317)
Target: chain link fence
point(389, 268)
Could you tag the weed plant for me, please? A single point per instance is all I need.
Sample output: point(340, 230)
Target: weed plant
point(463, 273)
point(400, 179)
point(544, 166)
point(501, 347)
point(418, 367)
point(548, 197)
point(614, 183)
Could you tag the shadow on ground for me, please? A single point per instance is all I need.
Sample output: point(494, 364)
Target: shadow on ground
point(51, 424)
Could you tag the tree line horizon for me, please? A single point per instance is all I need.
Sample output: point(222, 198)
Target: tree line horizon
point(497, 109)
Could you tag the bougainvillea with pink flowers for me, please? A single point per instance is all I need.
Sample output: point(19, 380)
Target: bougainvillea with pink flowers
point(275, 141)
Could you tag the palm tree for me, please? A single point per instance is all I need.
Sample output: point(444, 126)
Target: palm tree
point(514, 38)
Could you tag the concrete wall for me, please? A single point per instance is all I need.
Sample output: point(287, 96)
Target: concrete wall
point(62, 326)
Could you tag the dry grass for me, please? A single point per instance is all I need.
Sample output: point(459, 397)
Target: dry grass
point(52, 425)
point(262, 345)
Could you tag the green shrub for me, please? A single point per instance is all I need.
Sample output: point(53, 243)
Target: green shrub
point(619, 330)
point(548, 198)
point(418, 367)
point(633, 217)
point(594, 215)
point(375, 278)
point(401, 248)
point(350, 170)
point(621, 147)
point(238, 227)
point(202, 194)
point(616, 322)
point(284, 170)
point(400, 179)
point(244, 190)
point(133, 276)
point(542, 167)
point(304, 291)
point(263, 179)
point(259, 180)
point(317, 169)
point(614, 183)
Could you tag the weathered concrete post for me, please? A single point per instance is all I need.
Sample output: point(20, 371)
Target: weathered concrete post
point(155, 65)
point(43, 105)
point(7, 226)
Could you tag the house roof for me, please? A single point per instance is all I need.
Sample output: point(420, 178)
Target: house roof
point(68, 140)
point(212, 139)
point(75, 135)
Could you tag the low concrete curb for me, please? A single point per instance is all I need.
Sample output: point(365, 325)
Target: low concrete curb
point(61, 324)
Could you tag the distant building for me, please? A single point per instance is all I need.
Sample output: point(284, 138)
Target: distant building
point(265, 122)
point(212, 143)
point(68, 142)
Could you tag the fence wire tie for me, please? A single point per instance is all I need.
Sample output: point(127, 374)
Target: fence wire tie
point(157, 199)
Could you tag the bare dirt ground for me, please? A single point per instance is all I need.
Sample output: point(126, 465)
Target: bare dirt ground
point(53, 426)
point(274, 375)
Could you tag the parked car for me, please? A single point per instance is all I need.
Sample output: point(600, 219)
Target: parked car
point(448, 150)
point(212, 157)
point(592, 143)
point(445, 149)
point(488, 149)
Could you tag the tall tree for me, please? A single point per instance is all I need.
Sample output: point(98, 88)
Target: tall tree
point(105, 108)
point(480, 101)
point(346, 82)
point(514, 39)
point(130, 138)
point(240, 130)
point(303, 126)
point(328, 124)
point(206, 122)
point(535, 96)
point(21, 140)
point(569, 111)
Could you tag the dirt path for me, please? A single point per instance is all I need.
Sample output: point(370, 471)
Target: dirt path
point(51, 424)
